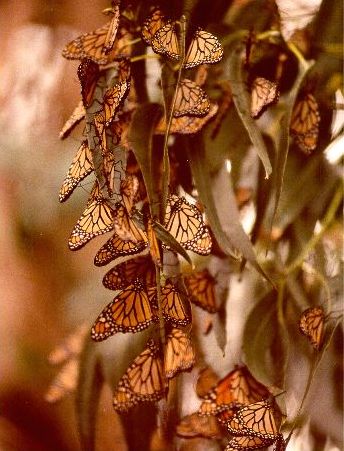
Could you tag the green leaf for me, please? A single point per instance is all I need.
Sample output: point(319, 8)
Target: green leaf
point(141, 135)
point(242, 102)
point(302, 190)
point(216, 194)
point(281, 138)
point(264, 342)
point(87, 396)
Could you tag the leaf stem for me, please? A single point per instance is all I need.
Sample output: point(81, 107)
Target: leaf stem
point(166, 162)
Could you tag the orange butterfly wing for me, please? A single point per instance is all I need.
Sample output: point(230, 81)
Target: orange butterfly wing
point(96, 219)
point(179, 353)
point(143, 381)
point(130, 311)
point(81, 167)
point(312, 325)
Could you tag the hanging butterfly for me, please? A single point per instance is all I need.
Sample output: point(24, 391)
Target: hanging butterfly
point(312, 325)
point(96, 219)
point(196, 426)
point(77, 116)
point(81, 167)
point(154, 22)
point(109, 162)
point(263, 93)
point(237, 388)
point(204, 48)
point(130, 311)
point(128, 189)
point(88, 73)
point(95, 45)
point(305, 121)
point(187, 125)
point(201, 289)
point(126, 228)
point(262, 419)
point(113, 98)
point(179, 353)
point(203, 244)
point(110, 38)
point(65, 381)
point(143, 381)
point(191, 100)
point(184, 222)
point(175, 305)
point(122, 275)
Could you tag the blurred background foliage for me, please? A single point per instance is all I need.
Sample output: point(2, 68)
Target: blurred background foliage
point(48, 291)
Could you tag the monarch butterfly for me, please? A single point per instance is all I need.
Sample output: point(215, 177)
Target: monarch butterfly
point(204, 48)
point(201, 289)
point(130, 311)
point(191, 100)
point(187, 125)
point(175, 306)
point(305, 121)
point(245, 443)
point(70, 347)
point(125, 227)
point(116, 247)
point(154, 22)
point(184, 221)
point(179, 353)
point(237, 388)
point(124, 274)
point(263, 93)
point(143, 381)
point(312, 325)
point(113, 27)
point(65, 381)
point(96, 219)
point(113, 98)
point(196, 426)
point(77, 116)
point(153, 244)
point(203, 244)
point(95, 45)
point(128, 188)
point(88, 73)
point(81, 167)
point(262, 419)
point(108, 159)
point(165, 41)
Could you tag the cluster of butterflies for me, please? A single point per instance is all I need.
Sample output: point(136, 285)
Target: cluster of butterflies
point(239, 401)
point(113, 207)
point(239, 405)
point(305, 119)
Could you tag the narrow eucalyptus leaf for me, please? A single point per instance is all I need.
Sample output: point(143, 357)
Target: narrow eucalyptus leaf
point(141, 134)
point(282, 138)
point(242, 102)
point(87, 396)
point(216, 194)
